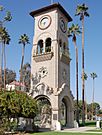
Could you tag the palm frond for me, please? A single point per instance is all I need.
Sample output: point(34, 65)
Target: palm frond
point(24, 39)
point(1, 8)
point(4, 36)
point(86, 14)
point(81, 11)
point(93, 75)
point(73, 31)
point(8, 16)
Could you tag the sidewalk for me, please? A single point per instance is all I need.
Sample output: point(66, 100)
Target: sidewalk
point(81, 130)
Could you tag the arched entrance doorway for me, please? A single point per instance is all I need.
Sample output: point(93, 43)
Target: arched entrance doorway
point(66, 113)
point(63, 113)
point(43, 118)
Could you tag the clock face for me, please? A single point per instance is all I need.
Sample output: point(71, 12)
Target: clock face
point(44, 22)
point(62, 25)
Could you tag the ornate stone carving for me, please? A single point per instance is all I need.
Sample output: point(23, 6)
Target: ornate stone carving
point(36, 78)
point(42, 88)
point(43, 72)
point(38, 75)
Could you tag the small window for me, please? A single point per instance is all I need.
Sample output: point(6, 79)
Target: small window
point(48, 45)
point(40, 48)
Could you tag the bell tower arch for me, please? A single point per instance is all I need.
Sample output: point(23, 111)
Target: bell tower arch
point(50, 61)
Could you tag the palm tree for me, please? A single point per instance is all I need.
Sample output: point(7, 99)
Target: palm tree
point(1, 8)
point(5, 39)
point(93, 76)
point(85, 78)
point(1, 58)
point(26, 73)
point(82, 12)
point(73, 31)
point(6, 18)
point(24, 39)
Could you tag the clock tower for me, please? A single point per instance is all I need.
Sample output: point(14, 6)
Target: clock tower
point(50, 64)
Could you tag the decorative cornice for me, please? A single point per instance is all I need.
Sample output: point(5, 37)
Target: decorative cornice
point(49, 8)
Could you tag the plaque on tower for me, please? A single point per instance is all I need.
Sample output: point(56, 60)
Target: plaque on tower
point(54, 116)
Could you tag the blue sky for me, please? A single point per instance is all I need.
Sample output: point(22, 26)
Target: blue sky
point(22, 23)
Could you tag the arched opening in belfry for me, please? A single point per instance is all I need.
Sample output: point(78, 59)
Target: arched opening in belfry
point(48, 45)
point(40, 47)
point(43, 118)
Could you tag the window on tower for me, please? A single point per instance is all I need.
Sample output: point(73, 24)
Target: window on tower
point(48, 45)
point(40, 48)
point(63, 48)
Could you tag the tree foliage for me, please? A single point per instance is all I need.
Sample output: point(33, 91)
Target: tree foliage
point(7, 17)
point(10, 76)
point(96, 108)
point(73, 31)
point(93, 75)
point(24, 40)
point(26, 75)
point(82, 11)
point(17, 104)
point(4, 40)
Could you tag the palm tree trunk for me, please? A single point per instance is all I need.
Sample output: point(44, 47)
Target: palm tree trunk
point(4, 69)
point(93, 101)
point(83, 83)
point(0, 78)
point(77, 93)
point(85, 107)
point(1, 63)
point(23, 49)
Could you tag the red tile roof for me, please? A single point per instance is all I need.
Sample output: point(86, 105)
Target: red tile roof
point(100, 115)
point(16, 83)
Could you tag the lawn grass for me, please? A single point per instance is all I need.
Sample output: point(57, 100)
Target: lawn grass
point(87, 123)
point(97, 130)
point(62, 133)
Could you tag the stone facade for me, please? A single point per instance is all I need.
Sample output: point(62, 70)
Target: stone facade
point(50, 61)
